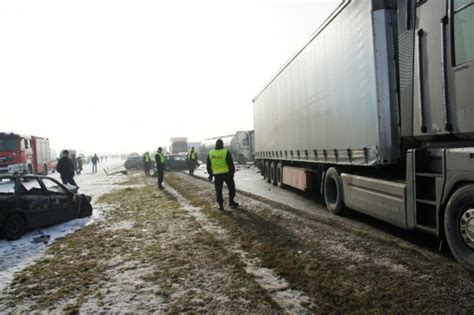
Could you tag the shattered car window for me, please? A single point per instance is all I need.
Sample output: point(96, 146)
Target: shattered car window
point(30, 186)
point(7, 186)
point(53, 187)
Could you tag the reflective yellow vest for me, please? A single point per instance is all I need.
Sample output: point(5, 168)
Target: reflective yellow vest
point(192, 155)
point(162, 157)
point(147, 158)
point(218, 161)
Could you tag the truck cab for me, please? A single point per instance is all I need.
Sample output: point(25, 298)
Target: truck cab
point(16, 154)
point(24, 154)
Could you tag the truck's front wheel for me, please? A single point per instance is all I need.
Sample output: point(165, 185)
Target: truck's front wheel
point(333, 191)
point(459, 226)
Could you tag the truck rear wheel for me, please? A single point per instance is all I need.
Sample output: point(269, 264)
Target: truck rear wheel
point(264, 169)
point(261, 167)
point(279, 174)
point(333, 192)
point(267, 171)
point(273, 173)
point(459, 226)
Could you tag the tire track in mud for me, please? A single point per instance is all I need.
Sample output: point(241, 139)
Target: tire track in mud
point(290, 300)
point(340, 267)
point(358, 223)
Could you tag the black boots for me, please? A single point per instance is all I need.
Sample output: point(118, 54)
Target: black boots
point(233, 204)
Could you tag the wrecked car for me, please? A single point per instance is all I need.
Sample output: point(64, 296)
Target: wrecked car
point(134, 163)
point(176, 162)
point(32, 201)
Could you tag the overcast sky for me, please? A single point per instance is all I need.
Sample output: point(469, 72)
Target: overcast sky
point(125, 76)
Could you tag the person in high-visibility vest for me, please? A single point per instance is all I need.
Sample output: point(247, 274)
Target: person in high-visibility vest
point(147, 163)
point(192, 161)
point(221, 166)
point(160, 166)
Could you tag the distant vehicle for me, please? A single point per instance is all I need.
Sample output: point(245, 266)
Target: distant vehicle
point(25, 154)
point(179, 145)
point(176, 162)
point(241, 145)
point(134, 163)
point(376, 112)
point(32, 201)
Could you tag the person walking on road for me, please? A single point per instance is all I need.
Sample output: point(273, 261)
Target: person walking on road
point(66, 169)
point(79, 165)
point(147, 163)
point(192, 161)
point(220, 165)
point(95, 161)
point(160, 166)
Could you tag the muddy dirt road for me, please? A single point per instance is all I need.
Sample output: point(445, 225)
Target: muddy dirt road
point(173, 251)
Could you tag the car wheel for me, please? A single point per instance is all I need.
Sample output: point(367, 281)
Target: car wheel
point(14, 227)
point(459, 226)
point(333, 192)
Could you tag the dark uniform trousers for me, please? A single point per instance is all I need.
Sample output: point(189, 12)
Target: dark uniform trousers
point(161, 173)
point(219, 180)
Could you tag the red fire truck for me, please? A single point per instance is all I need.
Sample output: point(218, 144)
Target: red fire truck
point(25, 154)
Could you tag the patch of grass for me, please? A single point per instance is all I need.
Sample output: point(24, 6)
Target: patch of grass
point(306, 265)
point(186, 266)
point(133, 178)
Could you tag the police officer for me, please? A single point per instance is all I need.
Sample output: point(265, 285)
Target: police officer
point(147, 163)
point(192, 161)
point(221, 166)
point(160, 166)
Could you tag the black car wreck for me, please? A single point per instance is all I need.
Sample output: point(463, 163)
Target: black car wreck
point(32, 201)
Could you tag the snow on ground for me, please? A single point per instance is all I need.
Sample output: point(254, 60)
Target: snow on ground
point(290, 300)
point(249, 179)
point(16, 255)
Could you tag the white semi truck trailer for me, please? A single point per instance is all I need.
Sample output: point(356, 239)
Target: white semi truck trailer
point(376, 112)
point(241, 145)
